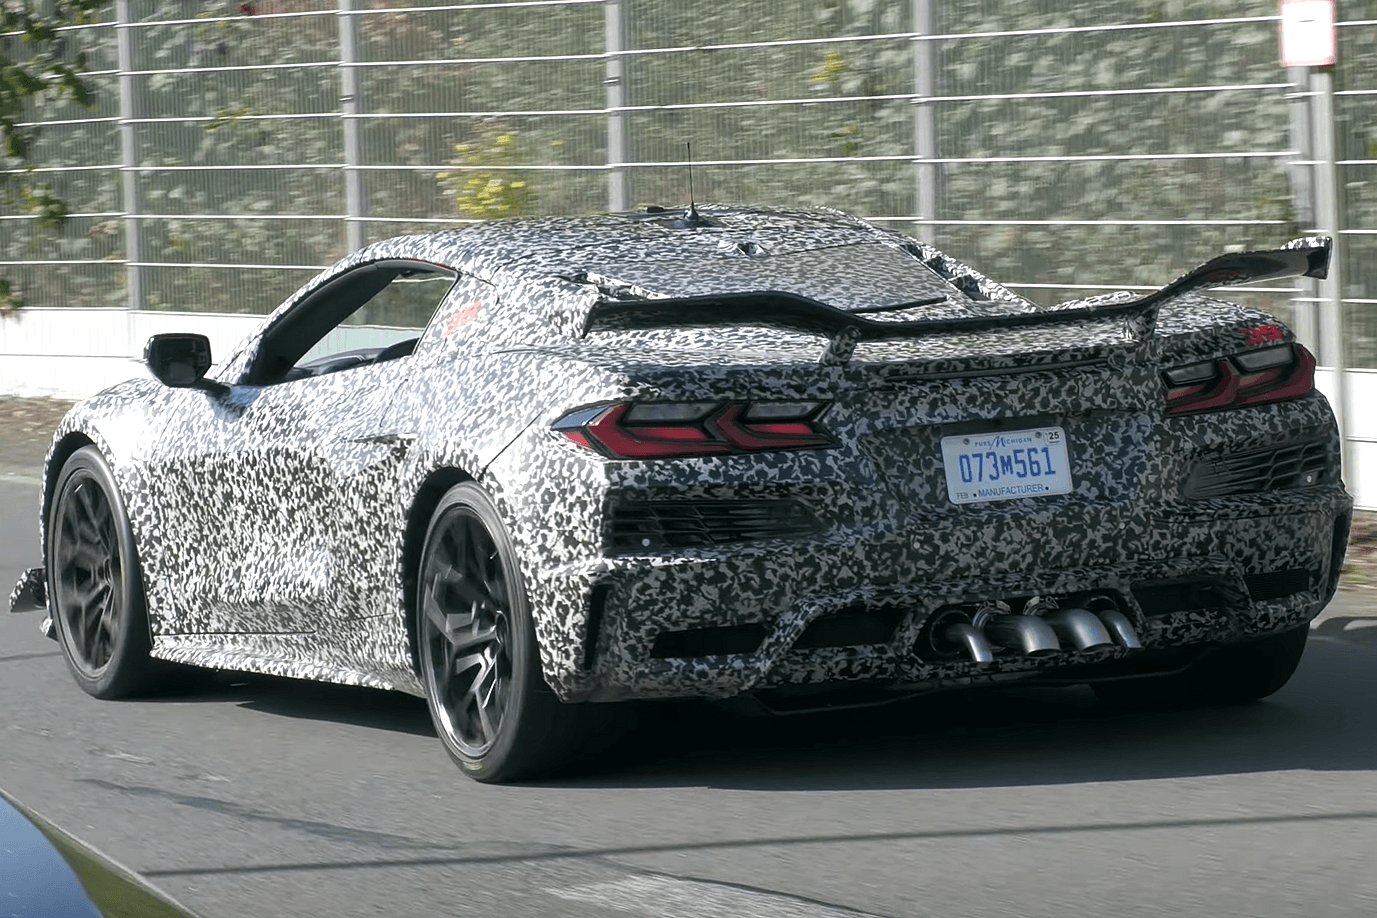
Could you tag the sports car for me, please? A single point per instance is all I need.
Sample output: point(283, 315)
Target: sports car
point(528, 468)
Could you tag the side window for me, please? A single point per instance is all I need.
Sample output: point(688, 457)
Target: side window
point(462, 317)
point(372, 314)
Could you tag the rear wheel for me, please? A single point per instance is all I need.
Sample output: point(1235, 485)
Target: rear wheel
point(478, 657)
point(1232, 674)
point(95, 585)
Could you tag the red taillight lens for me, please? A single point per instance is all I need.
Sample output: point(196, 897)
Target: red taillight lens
point(671, 430)
point(1248, 378)
point(649, 441)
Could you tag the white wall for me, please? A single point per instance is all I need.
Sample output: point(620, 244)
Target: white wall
point(1360, 419)
point(73, 353)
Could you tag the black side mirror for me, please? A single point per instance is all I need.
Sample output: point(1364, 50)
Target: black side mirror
point(180, 361)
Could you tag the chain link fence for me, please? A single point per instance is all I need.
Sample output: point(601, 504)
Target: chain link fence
point(1062, 146)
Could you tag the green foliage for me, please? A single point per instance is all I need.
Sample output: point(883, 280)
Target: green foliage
point(34, 63)
point(488, 185)
point(9, 299)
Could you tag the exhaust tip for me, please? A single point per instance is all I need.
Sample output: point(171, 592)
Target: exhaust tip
point(1079, 627)
point(1122, 629)
point(1110, 613)
point(1026, 634)
point(976, 646)
point(949, 635)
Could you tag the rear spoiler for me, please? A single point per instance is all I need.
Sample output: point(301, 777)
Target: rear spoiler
point(1307, 257)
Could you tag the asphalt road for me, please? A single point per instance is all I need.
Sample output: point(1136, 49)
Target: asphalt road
point(266, 797)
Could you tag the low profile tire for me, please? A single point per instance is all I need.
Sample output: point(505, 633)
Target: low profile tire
point(477, 649)
point(1232, 674)
point(94, 582)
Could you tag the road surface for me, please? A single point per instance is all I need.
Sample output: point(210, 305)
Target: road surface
point(267, 797)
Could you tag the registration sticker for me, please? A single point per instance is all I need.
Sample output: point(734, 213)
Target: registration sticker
point(1003, 465)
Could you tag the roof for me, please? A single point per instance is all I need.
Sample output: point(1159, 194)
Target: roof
point(820, 254)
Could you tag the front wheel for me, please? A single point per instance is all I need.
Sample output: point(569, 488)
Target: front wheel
point(1232, 674)
point(95, 588)
point(477, 650)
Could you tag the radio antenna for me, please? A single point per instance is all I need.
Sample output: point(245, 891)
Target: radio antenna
point(691, 219)
point(693, 205)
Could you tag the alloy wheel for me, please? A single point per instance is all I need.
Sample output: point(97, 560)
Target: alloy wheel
point(90, 572)
point(465, 635)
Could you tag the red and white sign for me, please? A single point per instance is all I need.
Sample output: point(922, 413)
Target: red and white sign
point(1307, 33)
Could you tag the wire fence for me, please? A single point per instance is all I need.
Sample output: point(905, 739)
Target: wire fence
point(1062, 146)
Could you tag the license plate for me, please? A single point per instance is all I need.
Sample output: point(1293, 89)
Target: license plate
point(1007, 464)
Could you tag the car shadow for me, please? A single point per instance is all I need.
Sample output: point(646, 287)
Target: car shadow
point(1001, 737)
point(1013, 736)
point(325, 702)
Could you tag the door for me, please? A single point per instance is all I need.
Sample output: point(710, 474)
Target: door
point(286, 485)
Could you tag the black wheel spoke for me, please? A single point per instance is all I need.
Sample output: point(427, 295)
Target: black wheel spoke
point(448, 576)
point(75, 551)
point(87, 592)
point(78, 623)
point(483, 564)
point(461, 540)
point(435, 614)
point(462, 629)
point(466, 662)
point(485, 712)
point(473, 637)
point(86, 520)
point(94, 630)
point(89, 555)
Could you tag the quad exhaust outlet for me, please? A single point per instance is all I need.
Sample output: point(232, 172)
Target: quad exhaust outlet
point(1042, 629)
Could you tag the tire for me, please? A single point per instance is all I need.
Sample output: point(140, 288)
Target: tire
point(1232, 674)
point(94, 582)
point(476, 649)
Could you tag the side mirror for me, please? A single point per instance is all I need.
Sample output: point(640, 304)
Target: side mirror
point(180, 361)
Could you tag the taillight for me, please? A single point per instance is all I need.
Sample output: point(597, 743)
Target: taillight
point(673, 430)
point(1254, 377)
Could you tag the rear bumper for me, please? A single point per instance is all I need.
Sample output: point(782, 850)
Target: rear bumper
point(779, 614)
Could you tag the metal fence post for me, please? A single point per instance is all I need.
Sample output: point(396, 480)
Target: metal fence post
point(130, 108)
point(616, 103)
point(925, 115)
point(351, 105)
point(1303, 195)
point(1327, 214)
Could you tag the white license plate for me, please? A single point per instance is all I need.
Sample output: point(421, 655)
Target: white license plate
point(1007, 464)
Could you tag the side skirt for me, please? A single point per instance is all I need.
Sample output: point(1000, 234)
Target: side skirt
point(290, 655)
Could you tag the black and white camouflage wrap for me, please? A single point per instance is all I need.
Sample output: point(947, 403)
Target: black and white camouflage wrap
point(272, 522)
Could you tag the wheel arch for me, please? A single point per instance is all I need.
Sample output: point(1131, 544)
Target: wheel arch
point(65, 448)
point(56, 460)
point(413, 540)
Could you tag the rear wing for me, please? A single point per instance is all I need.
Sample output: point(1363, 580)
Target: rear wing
point(1308, 257)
